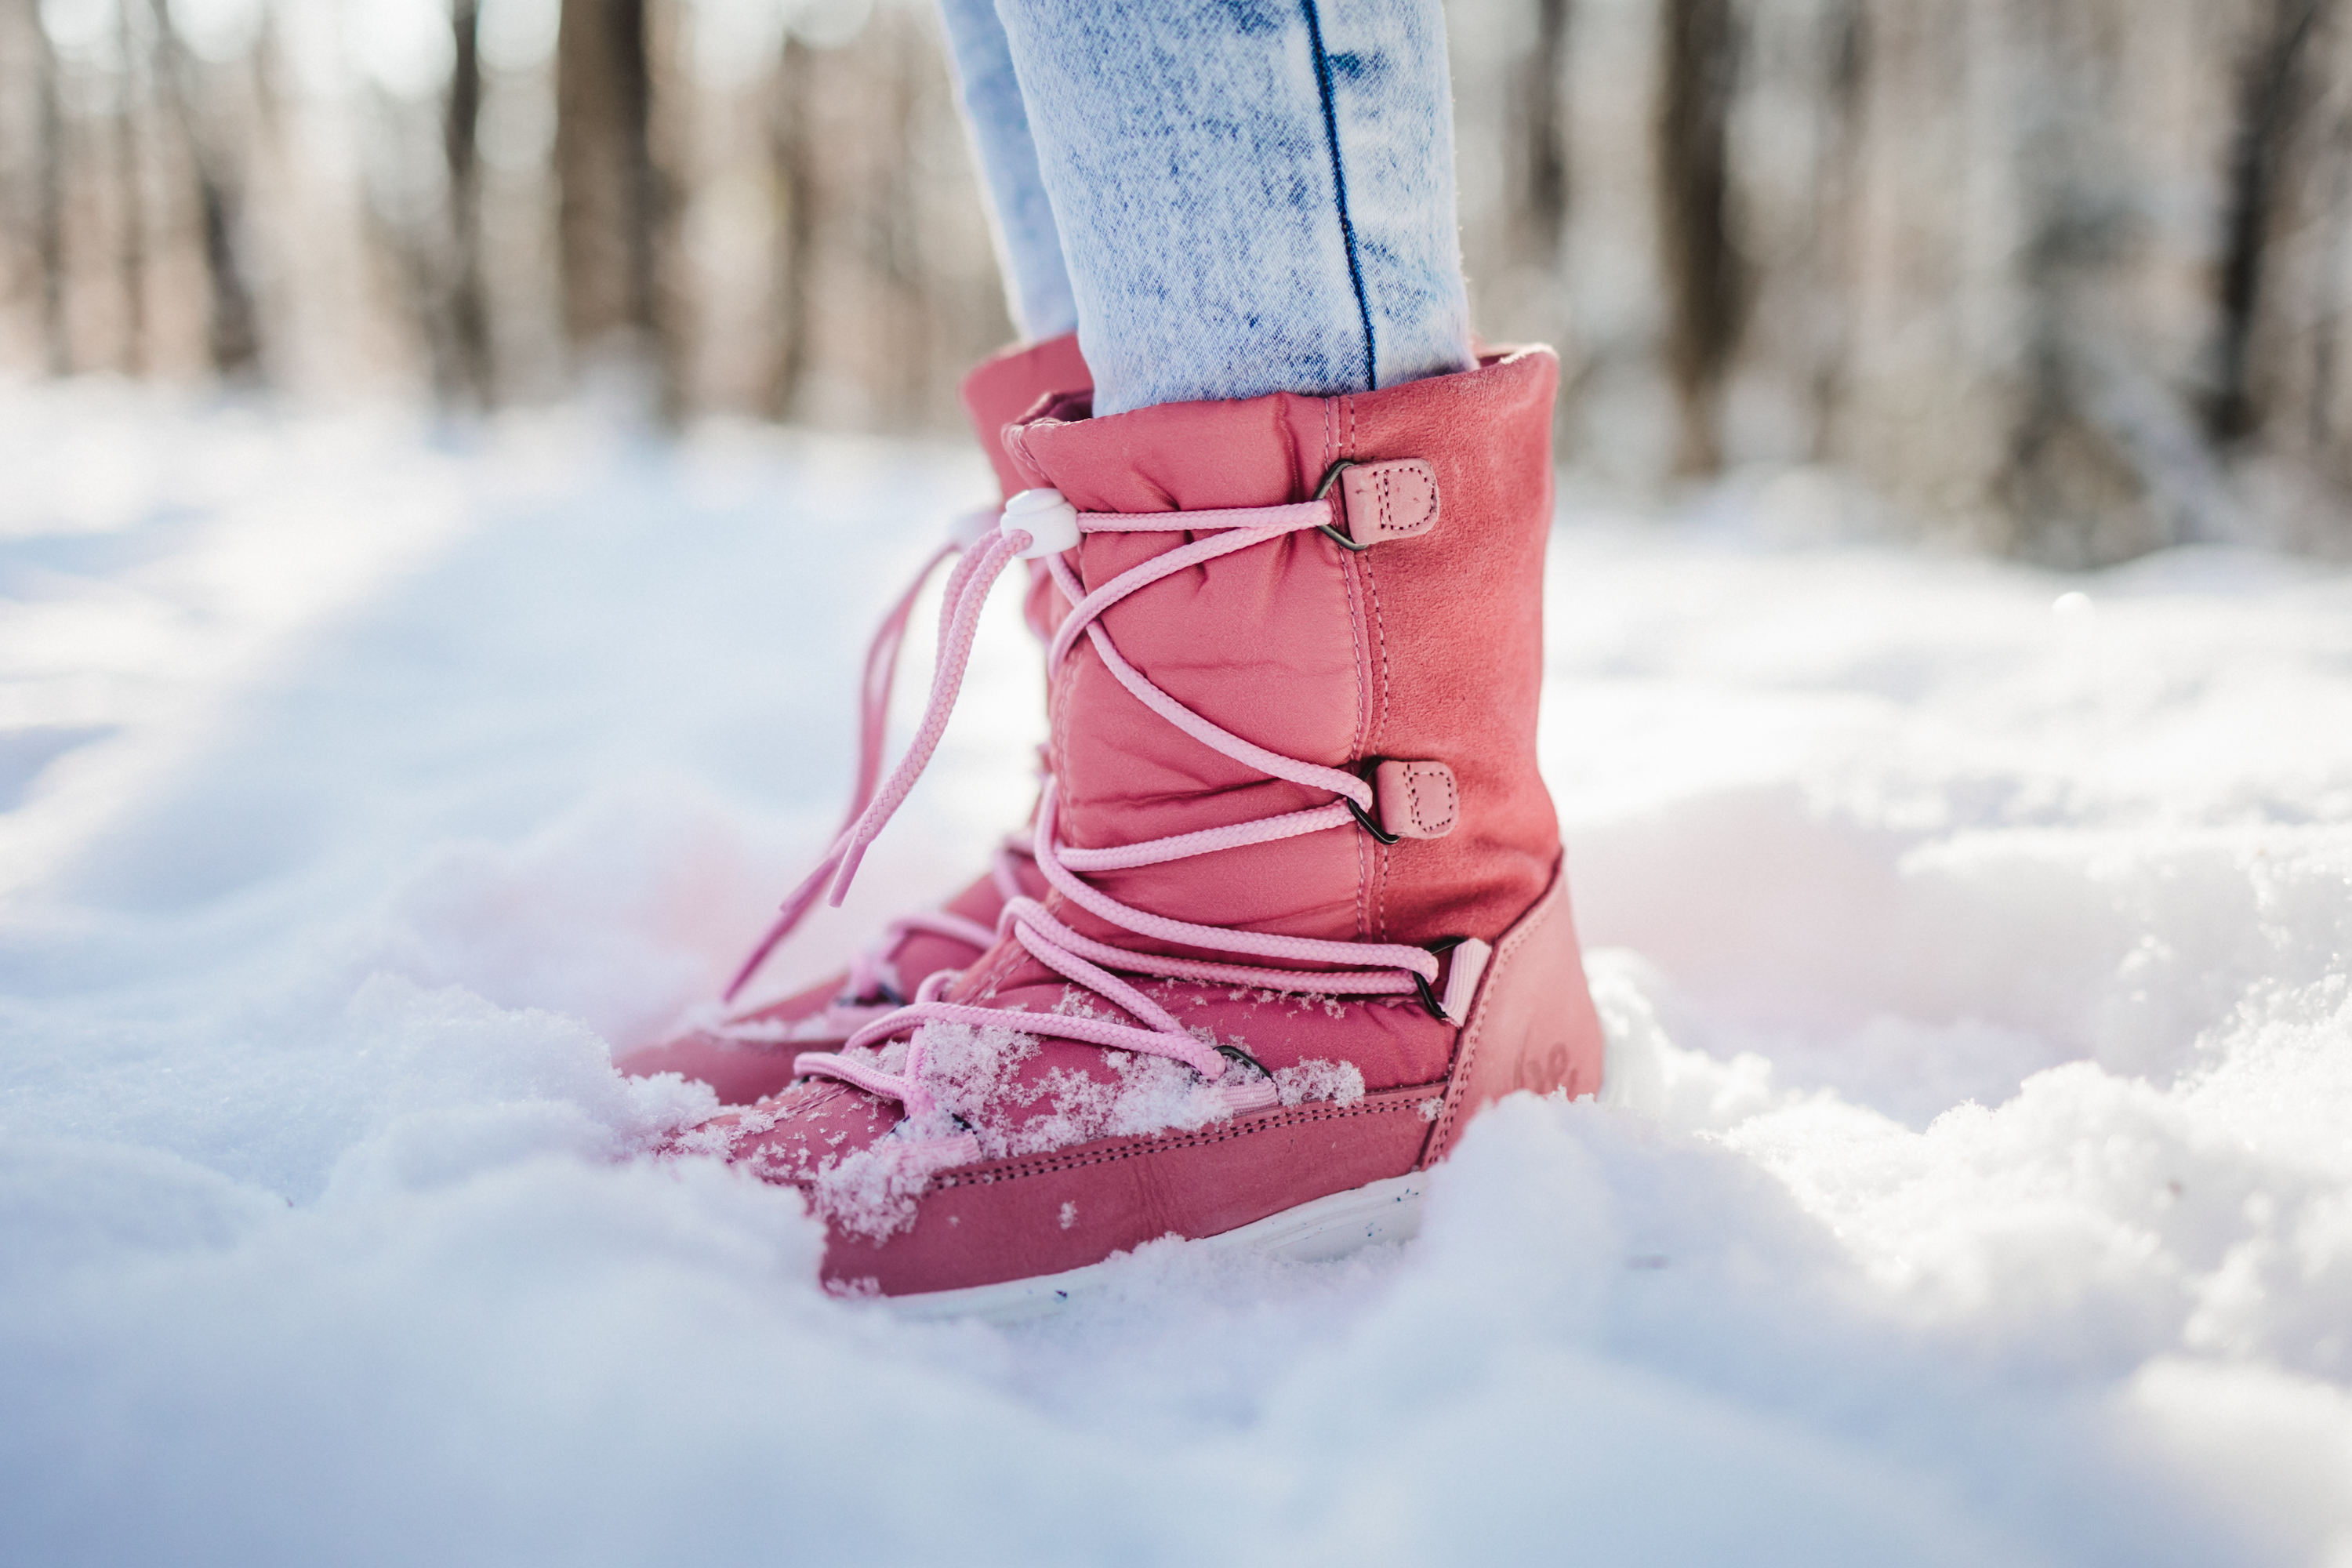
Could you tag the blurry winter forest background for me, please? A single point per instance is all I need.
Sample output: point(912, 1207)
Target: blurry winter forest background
point(2066, 279)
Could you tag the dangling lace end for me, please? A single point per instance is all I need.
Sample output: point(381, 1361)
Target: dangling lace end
point(959, 622)
point(846, 874)
point(882, 668)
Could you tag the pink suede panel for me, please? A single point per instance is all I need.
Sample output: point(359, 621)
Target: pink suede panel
point(1460, 612)
point(1003, 1219)
point(1533, 1026)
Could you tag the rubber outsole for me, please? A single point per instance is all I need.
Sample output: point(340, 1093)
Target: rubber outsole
point(1328, 1227)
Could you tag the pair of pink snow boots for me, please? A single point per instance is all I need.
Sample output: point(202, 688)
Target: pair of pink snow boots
point(1291, 906)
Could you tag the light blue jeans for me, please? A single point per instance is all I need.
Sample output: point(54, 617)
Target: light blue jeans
point(1224, 197)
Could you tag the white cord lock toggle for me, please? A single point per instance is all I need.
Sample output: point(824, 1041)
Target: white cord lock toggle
point(1051, 523)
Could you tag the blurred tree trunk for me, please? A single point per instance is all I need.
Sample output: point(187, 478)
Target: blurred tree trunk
point(49, 197)
point(794, 153)
point(2106, 458)
point(129, 177)
point(1706, 278)
point(233, 327)
point(2334, 251)
point(612, 205)
point(1539, 216)
point(2273, 96)
point(471, 372)
point(1845, 45)
point(892, 252)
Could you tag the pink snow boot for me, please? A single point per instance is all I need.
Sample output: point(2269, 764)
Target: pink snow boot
point(748, 1054)
point(1303, 909)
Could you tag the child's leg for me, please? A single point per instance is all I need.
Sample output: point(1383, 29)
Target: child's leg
point(1251, 198)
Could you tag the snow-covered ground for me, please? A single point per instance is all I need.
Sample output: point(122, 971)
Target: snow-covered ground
point(1974, 1183)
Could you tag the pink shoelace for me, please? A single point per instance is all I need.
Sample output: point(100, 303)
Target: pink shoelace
point(1367, 969)
point(872, 971)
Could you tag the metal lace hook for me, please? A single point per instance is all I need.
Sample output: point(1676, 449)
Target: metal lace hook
point(1329, 478)
point(1364, 819)
point(1439, 948)
point(1236, 1054)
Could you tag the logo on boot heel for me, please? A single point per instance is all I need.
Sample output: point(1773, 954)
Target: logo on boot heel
point(1542, 1067)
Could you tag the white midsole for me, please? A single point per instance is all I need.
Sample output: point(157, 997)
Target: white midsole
point(1333, 1227)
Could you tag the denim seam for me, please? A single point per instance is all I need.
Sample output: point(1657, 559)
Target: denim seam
point(1339, 188)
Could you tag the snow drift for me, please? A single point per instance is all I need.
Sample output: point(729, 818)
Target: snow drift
point(1974, 1183)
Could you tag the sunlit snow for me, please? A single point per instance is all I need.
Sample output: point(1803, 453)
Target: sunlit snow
point(1974, 1182)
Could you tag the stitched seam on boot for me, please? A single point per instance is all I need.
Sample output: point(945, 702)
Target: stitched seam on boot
point(1333, 450)
point(1467, 1055)
point(1304, 1116)
point(1351, 586)
point(1383, 854)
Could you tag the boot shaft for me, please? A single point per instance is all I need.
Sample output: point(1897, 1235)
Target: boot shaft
point(1424, 649)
